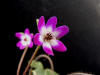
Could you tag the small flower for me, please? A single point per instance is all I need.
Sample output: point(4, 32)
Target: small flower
point(25, 39)
point(48, 35)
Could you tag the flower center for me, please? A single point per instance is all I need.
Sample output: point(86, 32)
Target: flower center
point(48, 37)
point(25, 39)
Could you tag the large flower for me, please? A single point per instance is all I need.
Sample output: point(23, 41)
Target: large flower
point(25, 39)
point(48, 35)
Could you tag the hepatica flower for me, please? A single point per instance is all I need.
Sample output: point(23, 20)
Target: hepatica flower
point(48, 35)
point(25, 39)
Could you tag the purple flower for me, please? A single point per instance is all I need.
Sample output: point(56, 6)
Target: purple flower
point(25, 39)
point(48, 35)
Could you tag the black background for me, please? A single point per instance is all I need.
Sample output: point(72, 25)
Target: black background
point(83, 40)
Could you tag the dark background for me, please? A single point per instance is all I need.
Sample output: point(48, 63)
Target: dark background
point(83, 40)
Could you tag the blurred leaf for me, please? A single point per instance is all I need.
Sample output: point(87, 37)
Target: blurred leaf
point(50, 72)
point(36, 65)
point(39, 69)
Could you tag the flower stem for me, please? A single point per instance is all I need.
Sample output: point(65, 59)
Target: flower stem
point(33, 56)
point(21, 60)
point(47, 57)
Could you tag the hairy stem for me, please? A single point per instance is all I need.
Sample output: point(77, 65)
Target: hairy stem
point(33, 56)
point(21, 60)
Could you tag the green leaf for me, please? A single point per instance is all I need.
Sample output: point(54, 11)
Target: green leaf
point(36, 65)
point(50, 72)
point(39, 69)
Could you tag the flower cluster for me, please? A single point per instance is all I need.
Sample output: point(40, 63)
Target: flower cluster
point(48, 36)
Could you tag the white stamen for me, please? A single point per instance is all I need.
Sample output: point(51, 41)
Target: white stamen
point(45, 37)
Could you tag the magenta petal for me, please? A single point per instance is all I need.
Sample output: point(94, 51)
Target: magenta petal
point(59, 46)
point(61, 31)
point(52, 22)
point(22, 47)
point(18, 44)
point(31, 35)
point(37, 39)
point(47, 48)
point(18, 35)
point(41, 23)
point(27, 31)
point(31, 45)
